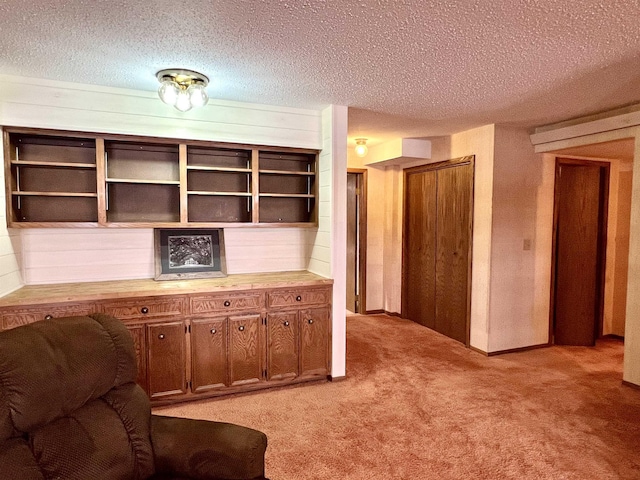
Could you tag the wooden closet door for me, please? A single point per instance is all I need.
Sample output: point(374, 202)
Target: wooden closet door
point(452, 259)
point(419, 282)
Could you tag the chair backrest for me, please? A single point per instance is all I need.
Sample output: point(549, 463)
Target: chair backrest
point(68, 394)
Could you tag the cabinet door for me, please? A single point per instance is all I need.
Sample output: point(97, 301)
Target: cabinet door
point(282, 345)
point(208, 354)
point(245, 349)
point(314, 341)
point(140, 344)
point(166, 359)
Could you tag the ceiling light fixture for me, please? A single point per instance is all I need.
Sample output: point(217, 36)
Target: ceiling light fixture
point(183, 89)
point(361, 147)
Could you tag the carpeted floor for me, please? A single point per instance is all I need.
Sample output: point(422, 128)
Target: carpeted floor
point(417, 405)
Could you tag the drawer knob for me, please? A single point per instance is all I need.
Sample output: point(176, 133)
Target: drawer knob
point(213, 331)
point(241, 328)
point(227, 303)
point(298, 298)
point(161, 336)
point(310, 321)
point(144, 310)
point(48, 317)
point(286, 323)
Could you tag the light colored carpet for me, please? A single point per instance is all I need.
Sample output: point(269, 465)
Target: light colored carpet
point(417, 405)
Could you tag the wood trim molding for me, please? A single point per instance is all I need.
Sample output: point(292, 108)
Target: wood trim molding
point(629, 384)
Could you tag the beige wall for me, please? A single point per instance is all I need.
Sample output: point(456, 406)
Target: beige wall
point(522, 221)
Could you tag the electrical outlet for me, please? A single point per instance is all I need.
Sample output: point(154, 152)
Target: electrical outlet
point(526, 244)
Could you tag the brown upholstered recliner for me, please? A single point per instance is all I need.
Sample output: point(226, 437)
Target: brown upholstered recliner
point(69, 409)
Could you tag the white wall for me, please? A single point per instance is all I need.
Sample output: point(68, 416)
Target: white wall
point(329, 250)
point(51, 257)
point(65, 255)
point(10, 245)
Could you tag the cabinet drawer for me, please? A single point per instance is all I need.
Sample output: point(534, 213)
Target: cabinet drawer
point(21, 316)
point(149, 307)
point(223, 303)
point(297, 297)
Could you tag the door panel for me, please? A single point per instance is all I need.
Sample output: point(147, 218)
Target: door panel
point(208, 354)
point(245, 353)
point(352, 241)
point(282, 331)
point(166, 359)
point(314, 341)
point(452, 250)
point(419, 287)
point(577, 270)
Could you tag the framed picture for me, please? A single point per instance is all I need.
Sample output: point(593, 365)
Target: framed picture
point(189, 253)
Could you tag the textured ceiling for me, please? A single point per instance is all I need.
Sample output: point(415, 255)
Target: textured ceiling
point(410, 68)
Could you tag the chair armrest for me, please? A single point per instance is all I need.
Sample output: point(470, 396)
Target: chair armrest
point(204, 450)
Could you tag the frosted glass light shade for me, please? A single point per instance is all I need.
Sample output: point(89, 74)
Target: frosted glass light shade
point(183, 102)
point(198, 95)
point(168, 92)
point(361, 147)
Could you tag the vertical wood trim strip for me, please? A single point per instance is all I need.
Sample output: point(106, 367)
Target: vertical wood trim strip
point(184, 197)
point(255, 185)
point(8, 179)
point(101, 180)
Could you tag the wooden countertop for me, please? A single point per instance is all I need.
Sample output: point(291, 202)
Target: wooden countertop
point(88, 291)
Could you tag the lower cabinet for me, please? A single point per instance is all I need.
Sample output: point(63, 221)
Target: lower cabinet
point(191, 346)
point(209, 354)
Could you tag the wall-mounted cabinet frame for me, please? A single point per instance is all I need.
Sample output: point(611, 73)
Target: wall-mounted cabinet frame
point(73, 179)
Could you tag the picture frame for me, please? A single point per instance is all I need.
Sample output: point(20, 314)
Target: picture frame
point(185, 253)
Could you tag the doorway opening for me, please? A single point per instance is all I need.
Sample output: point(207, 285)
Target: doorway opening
point(591, 225)
point(356, 239)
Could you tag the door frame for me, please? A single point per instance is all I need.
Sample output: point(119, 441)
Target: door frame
point(602, 239)
point(362, 239)
point(454, 162)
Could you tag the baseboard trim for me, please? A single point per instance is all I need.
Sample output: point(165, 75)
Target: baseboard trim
point(613, 336)
point(341, 378)
point(383, 312)
point(510, 350)
point(631, 385)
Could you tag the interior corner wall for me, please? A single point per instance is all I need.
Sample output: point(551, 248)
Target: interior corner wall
point(86, 254)
point(10, 245)
point(521, 233)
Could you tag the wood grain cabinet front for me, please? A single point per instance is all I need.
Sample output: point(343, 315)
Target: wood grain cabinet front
point(166, 359)
point(16, 316)
point(209, 354)
point(192, 345)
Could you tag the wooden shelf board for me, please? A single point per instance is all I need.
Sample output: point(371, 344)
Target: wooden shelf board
point(288, 195)
point(220, 194)
point(24, 163)
point(287, 172)
point(218, 169)
point(54, 194)
point(145, 182)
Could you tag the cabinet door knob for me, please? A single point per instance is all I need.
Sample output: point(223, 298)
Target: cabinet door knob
point(241, 328)
point(310, 321)
point(144, 310)
point(286, 324)
point(227, 303)
point(213, 331)
point(298, 298)
point(48, 317)
point(161, 336)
